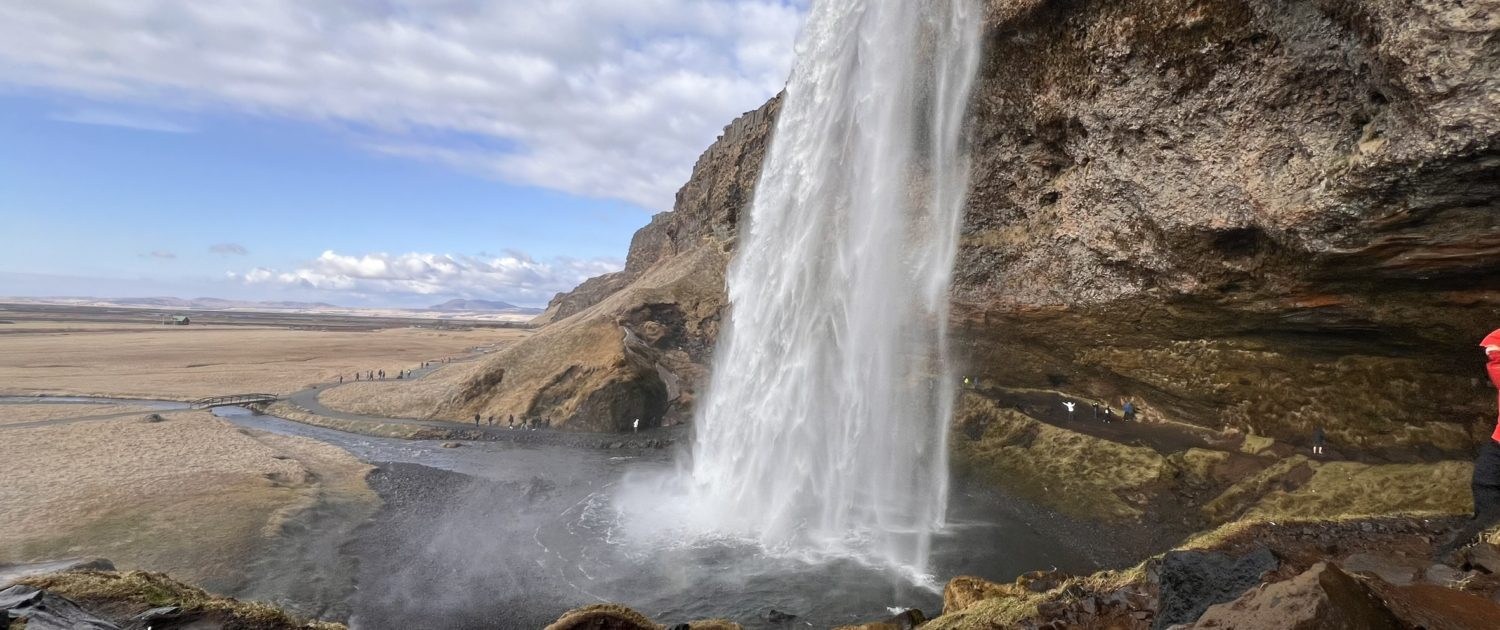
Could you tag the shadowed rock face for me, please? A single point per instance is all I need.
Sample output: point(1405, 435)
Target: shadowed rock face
point(1270, 215)
point(1262, 215)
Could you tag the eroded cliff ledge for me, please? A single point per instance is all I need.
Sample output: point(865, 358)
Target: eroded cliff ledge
point(1263, 215)
point(1268, 216)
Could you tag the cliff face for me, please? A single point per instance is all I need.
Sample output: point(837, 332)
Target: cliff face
point(1266, 216)
point(633, 344)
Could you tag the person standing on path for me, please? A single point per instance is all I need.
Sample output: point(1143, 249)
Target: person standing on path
point(635, 427)
point(1318, 438)
point(1129, 410)
point(341, 379)
point(1485, 484)
point(1109, 415)
point(1069, 405)
point(1096, 412)
point(476, 419)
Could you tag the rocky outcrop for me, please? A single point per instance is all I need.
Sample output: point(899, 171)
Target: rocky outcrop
point(1273, 575)
point(1321, 598)
point(633, 344)
point(1189, 582)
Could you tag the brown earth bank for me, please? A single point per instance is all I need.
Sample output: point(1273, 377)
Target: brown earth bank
point(178, 491)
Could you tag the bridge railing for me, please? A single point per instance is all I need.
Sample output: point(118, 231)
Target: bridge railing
point(233, 399)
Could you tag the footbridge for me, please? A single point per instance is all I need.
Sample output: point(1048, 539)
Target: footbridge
point(233, 400)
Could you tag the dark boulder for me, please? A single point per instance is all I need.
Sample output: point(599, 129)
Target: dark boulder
point(44, 611)
point(1189, 582)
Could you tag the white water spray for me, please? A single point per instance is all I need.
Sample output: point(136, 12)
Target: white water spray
point(825, 423)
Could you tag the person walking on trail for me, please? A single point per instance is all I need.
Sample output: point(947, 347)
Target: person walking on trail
point(492, 419)
point(1069, 405)
point(512, 421)
point(1096, 412)
point(341, 379)
point(1109, 415)
point(1318, 439)
point(1129, 411)
point(635, 427)
point(476, 419)
point(1485, 484)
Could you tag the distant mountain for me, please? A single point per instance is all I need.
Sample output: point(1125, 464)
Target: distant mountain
point(482, 306)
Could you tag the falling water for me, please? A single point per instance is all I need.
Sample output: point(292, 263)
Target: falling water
point(825, 423)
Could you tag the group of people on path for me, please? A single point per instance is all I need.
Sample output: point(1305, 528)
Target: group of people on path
point(1105, 413)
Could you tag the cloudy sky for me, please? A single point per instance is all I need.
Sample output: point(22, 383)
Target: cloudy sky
point(361, 152)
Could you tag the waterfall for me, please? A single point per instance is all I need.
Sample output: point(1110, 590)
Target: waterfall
point(825, 422)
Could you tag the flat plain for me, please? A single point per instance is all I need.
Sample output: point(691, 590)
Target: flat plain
point(63, 354)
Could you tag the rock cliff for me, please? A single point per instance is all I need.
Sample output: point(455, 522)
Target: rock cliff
point(1264, 215)
point(1260, 216)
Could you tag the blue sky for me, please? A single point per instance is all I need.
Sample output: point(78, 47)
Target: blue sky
point(388, 155)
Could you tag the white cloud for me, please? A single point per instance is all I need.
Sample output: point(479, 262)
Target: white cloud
point(605, 98)
point(127, 120)
point(513, 276)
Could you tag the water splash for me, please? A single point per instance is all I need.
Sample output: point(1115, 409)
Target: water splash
point(825, 423)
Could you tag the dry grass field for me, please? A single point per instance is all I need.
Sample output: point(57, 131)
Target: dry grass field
point(19, 413)
point(192, 495)
point(185, 362)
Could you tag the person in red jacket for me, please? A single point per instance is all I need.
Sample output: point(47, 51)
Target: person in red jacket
point(1485, 483)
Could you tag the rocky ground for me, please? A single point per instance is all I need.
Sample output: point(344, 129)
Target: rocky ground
point(93, 596)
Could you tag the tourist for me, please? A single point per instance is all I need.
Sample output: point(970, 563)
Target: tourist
point(341, 379)
point(1109, 415)
point(476, 419)
point(1318, 438)
point(512, 421)
point(1129, 410)
point(356, 376)
point(1096, 411)
point(636, 426)
point(492, 420)
point(1485, 483)
point(1069, 405)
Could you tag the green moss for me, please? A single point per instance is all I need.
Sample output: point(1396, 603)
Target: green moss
point(1080, 475)
point(1198, 464)
point(1256, 444)
point(1355, 490)
point(1247, 491)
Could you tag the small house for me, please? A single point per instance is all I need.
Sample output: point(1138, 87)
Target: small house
point(181, 320)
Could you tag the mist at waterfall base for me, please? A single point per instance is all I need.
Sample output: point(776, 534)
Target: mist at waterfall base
point(823, 432)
